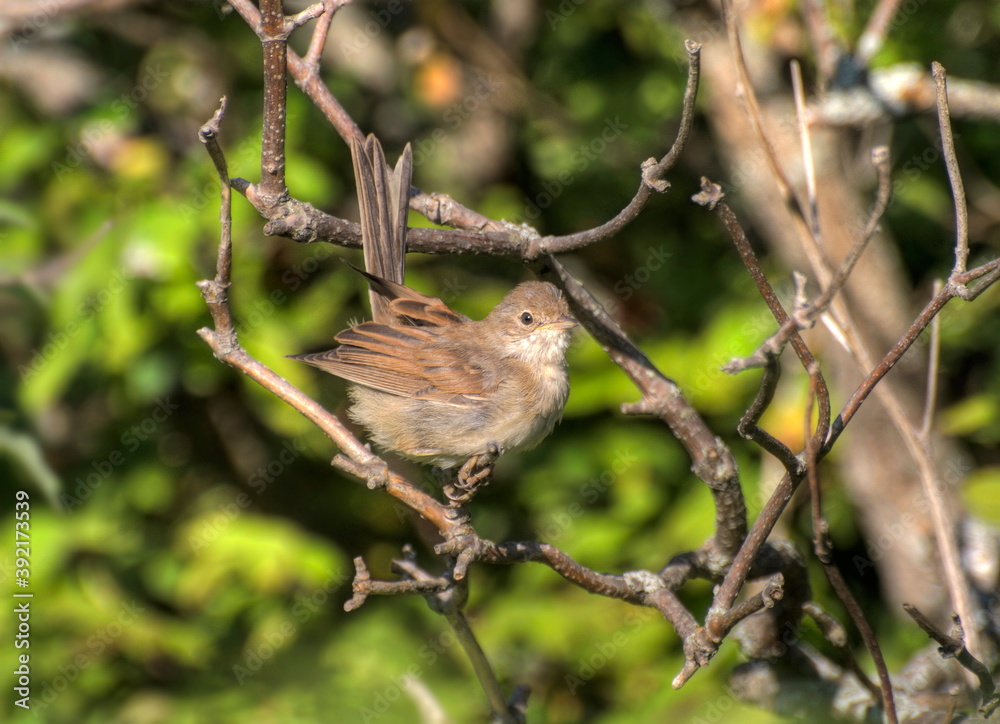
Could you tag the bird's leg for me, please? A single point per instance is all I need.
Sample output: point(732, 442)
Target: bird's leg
point(476, 473)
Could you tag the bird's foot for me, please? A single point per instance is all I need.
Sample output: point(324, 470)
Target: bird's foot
point(476, 473)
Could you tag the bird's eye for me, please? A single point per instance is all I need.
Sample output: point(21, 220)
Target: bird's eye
point(526, 318)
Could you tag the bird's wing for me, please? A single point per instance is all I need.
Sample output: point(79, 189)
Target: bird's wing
point(405, 361)
point(408, 306)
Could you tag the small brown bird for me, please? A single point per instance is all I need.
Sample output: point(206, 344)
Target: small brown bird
point(438, 387)
point(430, 383)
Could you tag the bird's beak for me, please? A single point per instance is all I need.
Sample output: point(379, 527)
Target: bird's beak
point(564, 322)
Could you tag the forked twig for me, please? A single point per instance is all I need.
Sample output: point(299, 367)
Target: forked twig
point(824, 553)
point(805, 317)
point(953, 647)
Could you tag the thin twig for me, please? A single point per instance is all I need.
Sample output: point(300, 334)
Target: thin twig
point(746, 90)
point(310, 13)
point(653, 177)
point(481, 665)
point(712, 197)
point(474, 233)
point(875, 31)
point(719, 625)
point(953, 647)
point(824, 553)
point(857, 398)
point(320, 33)
point(656, 174)
point(883, 195)
point(436, 207)
point(823, 39)
point(749, 428)
point(933, 360)
point(835, 634)
point(450, 602)
point(806, 140)
point(857, 615)
point(984, 272)
point(670, 607)
point(712, 461)
point(208, 134)
point(941, 515)
point(805, 317)
point(821, 544)
point(364, 586)
point(951, 163)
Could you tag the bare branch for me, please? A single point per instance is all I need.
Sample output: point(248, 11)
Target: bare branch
point(857, 615)
point(804, 318)
point(823, 40)
point(954, 175)
point(875, 31)
point(711, 196)
point(321, 32)
point(310, 13)
point(502, 714)
point(208, 134)
point(713, 462)
point(934, 356)
point(835, 634)
point(475, 233)
point(824, 553)
point(719, 625)
point(749, 95)
point(807, 156)
point(306, 77)
point(749, 428)
point(953, 647)
point(853, 404)
point(655, 176)
point(670, 607)
point(274, 40)
point(363, 586)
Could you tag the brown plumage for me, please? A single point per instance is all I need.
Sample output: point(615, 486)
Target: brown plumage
point(430, 383)
point(440, 387)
